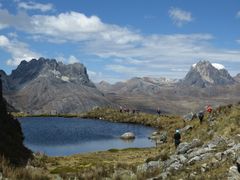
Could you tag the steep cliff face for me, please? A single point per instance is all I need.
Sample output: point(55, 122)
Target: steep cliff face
point(45, 86)
point(11, 144)
point(205, 74)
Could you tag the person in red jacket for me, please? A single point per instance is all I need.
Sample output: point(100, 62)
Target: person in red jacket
point(209, 109)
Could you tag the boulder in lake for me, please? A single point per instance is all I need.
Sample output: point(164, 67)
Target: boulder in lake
point(128, 135)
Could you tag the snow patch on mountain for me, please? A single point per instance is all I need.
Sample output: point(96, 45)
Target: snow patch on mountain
point(216, 65)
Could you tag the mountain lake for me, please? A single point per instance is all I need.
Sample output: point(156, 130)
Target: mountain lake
point(58, 136)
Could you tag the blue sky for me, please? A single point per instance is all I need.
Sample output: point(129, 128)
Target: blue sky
point(120, 39)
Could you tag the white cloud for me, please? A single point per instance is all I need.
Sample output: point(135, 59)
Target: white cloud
point(238, 14)
point(70, 26)
point(35, 6)
point(18, 50)
point(72, 59)
point(126, 50)
point(180, 16)
point(95, 76)
point(122, 69)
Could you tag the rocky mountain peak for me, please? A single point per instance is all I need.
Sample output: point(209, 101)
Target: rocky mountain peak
point(205, 74)
point(49, 69)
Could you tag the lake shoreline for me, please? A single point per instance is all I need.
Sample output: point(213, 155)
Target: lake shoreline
point(112, 115)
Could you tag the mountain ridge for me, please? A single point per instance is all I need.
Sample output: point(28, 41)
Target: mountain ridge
point(45, 86)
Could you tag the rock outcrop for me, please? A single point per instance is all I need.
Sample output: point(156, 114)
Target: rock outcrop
point(188, 154)
point(11, 144)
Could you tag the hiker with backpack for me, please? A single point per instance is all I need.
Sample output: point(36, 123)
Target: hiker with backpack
point(177, 138)
point(201, 116)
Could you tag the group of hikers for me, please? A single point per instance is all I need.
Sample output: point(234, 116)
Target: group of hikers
point(127, 110)
point(200, 115)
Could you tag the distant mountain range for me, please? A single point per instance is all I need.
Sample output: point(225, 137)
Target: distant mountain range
point(205, 83)
point(51, 87)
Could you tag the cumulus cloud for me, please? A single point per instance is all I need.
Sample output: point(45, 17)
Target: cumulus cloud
point(72, 59)
point(18, 50)
point(180, 16)
point(35, 6)
point(69, 26)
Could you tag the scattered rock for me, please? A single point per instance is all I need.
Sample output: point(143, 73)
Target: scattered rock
point(217, 141)
point(204, 167)
point(149, 167)
point(155, 135)
point(128, 135)
point(190, 116)
point(193, 175)
point(233, 173)
point(218, 156)
point(186, 129)
point(184, 147)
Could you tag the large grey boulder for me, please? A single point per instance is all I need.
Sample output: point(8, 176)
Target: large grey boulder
point(184, 147)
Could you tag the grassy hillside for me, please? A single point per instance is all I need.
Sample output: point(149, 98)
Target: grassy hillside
point(103, 164)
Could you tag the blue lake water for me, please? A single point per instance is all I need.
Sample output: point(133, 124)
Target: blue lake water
point(57, 136)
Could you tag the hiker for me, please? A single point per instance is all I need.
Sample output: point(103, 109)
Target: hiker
point(159, 111)
point(200, 116)
point(121, 109)
point(209, 109)
point(177, 138)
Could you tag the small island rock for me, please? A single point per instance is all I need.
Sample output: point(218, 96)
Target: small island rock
point(128, 135)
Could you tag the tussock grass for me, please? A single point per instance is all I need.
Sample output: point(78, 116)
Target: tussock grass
point(99, 164)
point(17, 173)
